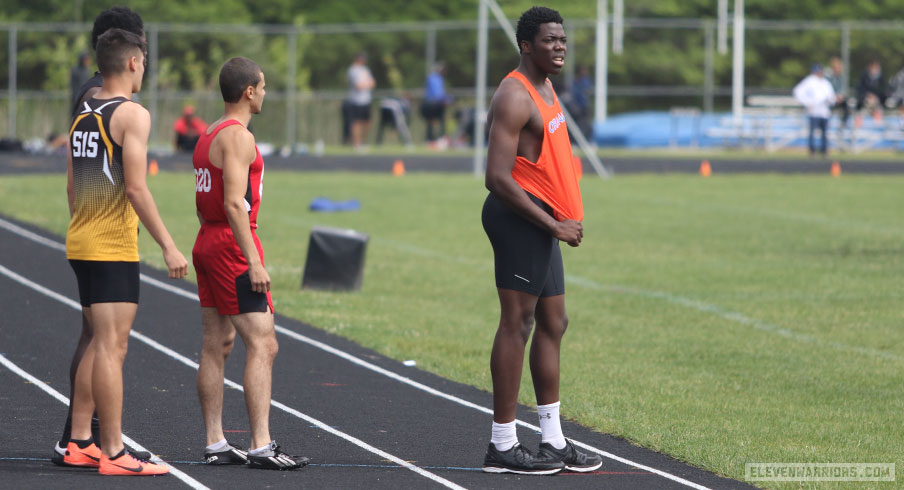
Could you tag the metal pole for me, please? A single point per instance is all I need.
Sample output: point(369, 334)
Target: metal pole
point(723, 26)
point(618, 26)
point(480, 106)
point(708, 77)
point(737, 72)
point(11, 91)
point(291, 49)
point(846, 55)
point(602, 60)
point(153, 57)
point(430, 55)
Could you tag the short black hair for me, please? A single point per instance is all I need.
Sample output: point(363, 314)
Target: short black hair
point(530, 21)
point(116, 17)
point(114, 48)
point(236, 75)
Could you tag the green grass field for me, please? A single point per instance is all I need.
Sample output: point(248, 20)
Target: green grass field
point(724, 321)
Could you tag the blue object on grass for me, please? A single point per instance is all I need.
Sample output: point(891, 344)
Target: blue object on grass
point(327, 205)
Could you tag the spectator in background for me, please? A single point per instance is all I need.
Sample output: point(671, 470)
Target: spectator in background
point(394, 112)
point(188, 129)
point(817, 96)
point(80, 74)
point(896, 88)
point(835, 76)
point(871, 91)
point(433, 107)
point(360, 85)
point(581, 89)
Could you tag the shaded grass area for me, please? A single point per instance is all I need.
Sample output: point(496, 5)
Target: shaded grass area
point(723, 321)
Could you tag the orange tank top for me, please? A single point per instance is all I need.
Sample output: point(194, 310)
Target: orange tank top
point(553, 177)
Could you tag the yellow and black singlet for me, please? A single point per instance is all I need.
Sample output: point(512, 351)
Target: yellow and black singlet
point(104, 225)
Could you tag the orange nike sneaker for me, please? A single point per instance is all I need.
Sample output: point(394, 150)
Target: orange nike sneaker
point(125, 464)
point(89, 456)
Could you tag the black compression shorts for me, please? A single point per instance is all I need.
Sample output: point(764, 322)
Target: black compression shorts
point(527, 258)
point(106, 282)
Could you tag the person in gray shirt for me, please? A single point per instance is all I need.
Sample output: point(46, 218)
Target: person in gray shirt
point(360, 85)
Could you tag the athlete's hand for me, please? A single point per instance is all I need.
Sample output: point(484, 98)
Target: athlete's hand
point(260, 279)
point(569, 231)
point(176, 263)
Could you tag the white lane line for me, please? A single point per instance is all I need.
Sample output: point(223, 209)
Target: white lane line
point(188, 362)
point(402, 379)
point(191, 482)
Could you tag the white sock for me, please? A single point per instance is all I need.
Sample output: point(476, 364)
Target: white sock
point(504, 436)
point(550, 428)
point(218, 446)
point(259, 451)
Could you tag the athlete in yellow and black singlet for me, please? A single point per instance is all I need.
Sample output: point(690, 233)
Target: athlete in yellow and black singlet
point(104, 226)
point(102, 241)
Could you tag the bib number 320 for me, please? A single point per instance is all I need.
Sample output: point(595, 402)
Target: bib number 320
point(202, 180)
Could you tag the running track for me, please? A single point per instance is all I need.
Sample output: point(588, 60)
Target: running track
point(365, 421)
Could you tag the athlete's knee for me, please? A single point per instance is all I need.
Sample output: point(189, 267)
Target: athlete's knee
point(265, 346)
point(228, 343)
point(563, 325)
point(114, 350)
point(273, 347)
point(522, 323)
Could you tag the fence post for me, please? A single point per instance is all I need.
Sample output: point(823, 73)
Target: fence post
point(708, 76)
point(483, 25)
point(430, 54)
point(11, 95)
point(290, 88)
point(153, 59)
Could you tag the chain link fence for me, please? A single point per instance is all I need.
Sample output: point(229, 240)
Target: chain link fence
point(305, 68)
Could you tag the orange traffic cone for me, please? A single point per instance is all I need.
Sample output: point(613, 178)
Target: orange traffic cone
point(153, 168)
point(578, 167)
point(836, 169)
point(398, 168)
point(705, 169)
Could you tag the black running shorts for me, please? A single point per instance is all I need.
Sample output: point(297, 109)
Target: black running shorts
point(527, 258)
point(106, 282)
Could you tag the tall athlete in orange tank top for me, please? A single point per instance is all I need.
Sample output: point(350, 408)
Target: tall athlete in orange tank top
point(534, 203)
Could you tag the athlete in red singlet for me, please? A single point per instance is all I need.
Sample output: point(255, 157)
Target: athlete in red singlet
point(233, 284)
point(534, 203)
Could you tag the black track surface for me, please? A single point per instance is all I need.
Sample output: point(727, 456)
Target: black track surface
point(161, 411)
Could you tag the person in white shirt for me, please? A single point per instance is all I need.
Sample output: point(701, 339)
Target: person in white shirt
point(816, 94)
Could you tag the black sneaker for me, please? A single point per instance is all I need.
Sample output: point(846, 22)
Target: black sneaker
point(275, 459)
point(58, 454)
point(228, 455)
point(519, 460)
point(574, 458)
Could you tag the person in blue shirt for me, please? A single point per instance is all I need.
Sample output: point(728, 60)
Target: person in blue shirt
point(433, 107)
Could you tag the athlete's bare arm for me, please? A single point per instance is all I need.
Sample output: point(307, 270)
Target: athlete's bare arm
point(515, 129)
point(234, 148)
point(130, 127)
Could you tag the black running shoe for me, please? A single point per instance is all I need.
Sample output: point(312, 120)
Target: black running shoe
point(58, 454)
point(519, 460)
point(574, 458)
point(275, 459)
point(229, 455)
